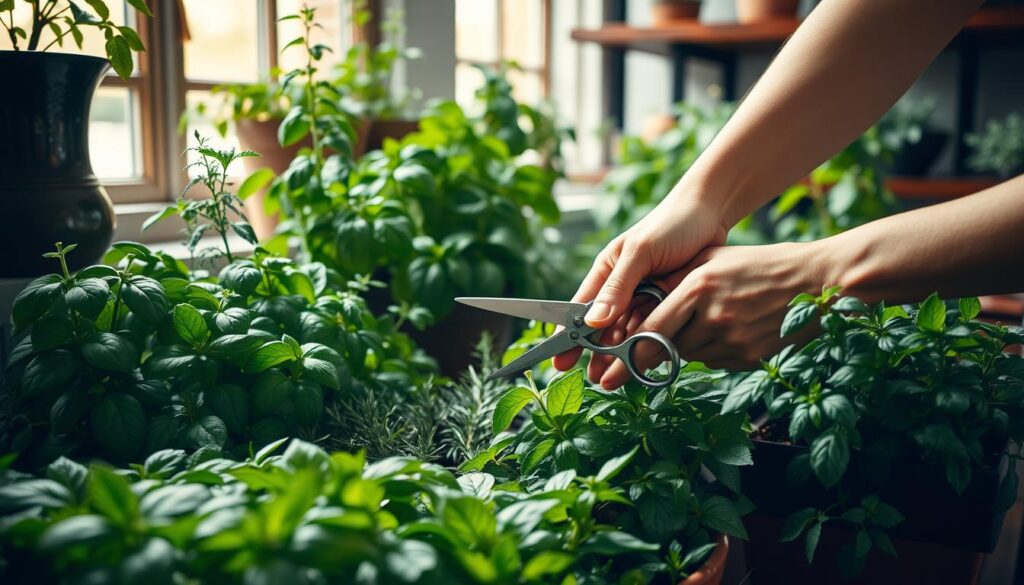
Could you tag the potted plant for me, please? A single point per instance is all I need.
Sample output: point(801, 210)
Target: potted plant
point(755, 11)
point(999, 149)
point(117, 361)
point(669, 12)
point(914, 143)
point(48, 191)
point(894, 423)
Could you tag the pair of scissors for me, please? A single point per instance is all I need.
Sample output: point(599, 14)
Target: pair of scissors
point(576, 333)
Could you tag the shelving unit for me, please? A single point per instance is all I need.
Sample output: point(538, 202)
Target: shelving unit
point(722, 43)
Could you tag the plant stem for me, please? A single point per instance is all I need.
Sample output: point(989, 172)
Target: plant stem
point(120, 293)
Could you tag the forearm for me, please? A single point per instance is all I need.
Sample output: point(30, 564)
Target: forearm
point(841, 70)
point(967, 247)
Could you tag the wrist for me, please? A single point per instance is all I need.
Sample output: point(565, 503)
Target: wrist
point(696, 190)
point(845, 260)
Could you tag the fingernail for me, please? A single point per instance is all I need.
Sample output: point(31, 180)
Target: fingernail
point(599, 311)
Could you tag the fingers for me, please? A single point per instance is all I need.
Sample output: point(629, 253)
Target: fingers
point(667, 318)
point(588, 289)
point(565, 361)
point(616, 293)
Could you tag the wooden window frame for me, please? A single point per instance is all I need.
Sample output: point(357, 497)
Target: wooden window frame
point(543, 70)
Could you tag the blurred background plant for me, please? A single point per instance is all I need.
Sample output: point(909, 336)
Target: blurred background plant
point(999, 148)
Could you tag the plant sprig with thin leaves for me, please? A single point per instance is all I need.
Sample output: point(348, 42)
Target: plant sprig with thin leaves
point(216, 211)
point(61, 18)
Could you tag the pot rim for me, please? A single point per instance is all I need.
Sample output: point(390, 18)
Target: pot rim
point(713, 567)
point(24, 54)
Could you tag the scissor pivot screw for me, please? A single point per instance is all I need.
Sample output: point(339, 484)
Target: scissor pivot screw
point(577, 321)
point(574, 335)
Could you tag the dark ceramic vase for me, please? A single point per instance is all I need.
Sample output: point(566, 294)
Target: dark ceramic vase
point(48, 191)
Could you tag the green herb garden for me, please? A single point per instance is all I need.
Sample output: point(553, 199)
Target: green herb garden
point(265, 412)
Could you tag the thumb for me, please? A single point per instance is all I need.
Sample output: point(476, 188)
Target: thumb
point(616, 293)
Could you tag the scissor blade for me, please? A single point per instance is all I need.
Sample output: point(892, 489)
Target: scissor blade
point(553, 346)
point(547, 311)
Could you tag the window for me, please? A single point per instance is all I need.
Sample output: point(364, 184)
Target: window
point(488, 32)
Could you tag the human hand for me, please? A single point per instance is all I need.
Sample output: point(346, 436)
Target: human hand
point(724, 309)
point(664, 241)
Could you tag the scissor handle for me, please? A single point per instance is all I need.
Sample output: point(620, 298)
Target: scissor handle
point(624, 351)
point(651, 290)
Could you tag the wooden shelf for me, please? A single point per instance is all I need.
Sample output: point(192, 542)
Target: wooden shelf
point(758, 35)
point(937, 188)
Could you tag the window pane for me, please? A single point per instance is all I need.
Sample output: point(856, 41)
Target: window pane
point(224, 40)
point(336, 29)
point(523, 35)
point(526, 86)
point(476, 30)
point(468, 79)
point(113, 139)
point(206, 128)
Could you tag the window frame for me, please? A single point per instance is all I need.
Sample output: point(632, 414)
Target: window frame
point(543, 70)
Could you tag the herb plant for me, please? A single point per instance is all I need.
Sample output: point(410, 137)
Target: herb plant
point(306, 515)
point(906, 123)
point(999, 148)
point(572, 434)
point(881, 387)
point(60, 18)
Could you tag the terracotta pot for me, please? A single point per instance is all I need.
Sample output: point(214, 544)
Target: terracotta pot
point(261, 136)
point(669, 12)
point(771, 561)
point(48, 191)
point(752, 11)
point(710, 573)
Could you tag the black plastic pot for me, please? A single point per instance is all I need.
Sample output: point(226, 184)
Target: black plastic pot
point(934, 513)
point(48, 191)
point(915, 160)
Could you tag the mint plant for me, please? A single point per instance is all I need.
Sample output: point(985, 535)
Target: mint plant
point(886, 386)
point(647, 445)
point(60, 18)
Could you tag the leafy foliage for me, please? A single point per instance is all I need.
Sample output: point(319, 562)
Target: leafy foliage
point(307, 515)
point(887, 386)
point(443, 212)
point(62, 18)
point(906, 123)
point(642, 449)
point(999, 148)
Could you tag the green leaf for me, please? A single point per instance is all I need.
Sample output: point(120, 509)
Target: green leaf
point(35, 299)
point(89, 296)
point(110, 351)
point(51, 332)
point(839, 410)
point(190, 325)
point(720, 515)
point(798, 317)
point(49, 371)
point(830, 454)
point(564, 395)
point(745, 393)
point(471, 520)
point(30, 493)
point(231, 404)
point(294, 127)
point(536, 456)
point(100, 8)
point(119, 425)
point(132, 37)
point(970, 307)
point(141, 6)
point(614, 542)
point(811, 541)
point(207, 431)
point(146, 298)
point(509, 406)
point(244, 231)
point(255, 182)
point(795, 523)
point(86, 529)
point(111, 495)
point(931, 316)
point(269, 355)
point(169, 361)
point(120, 54)
point(852, 305)
point(615, 465)
point(548, 562)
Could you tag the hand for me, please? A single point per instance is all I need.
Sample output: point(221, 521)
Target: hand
point(664, 241)
point(725, 309)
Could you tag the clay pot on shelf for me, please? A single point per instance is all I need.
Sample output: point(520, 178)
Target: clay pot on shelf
point(669, 12)
point(48, 191)
point(711, 572)
point(753, 11)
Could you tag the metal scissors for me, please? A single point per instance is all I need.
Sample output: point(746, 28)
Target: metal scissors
point(576, 333)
